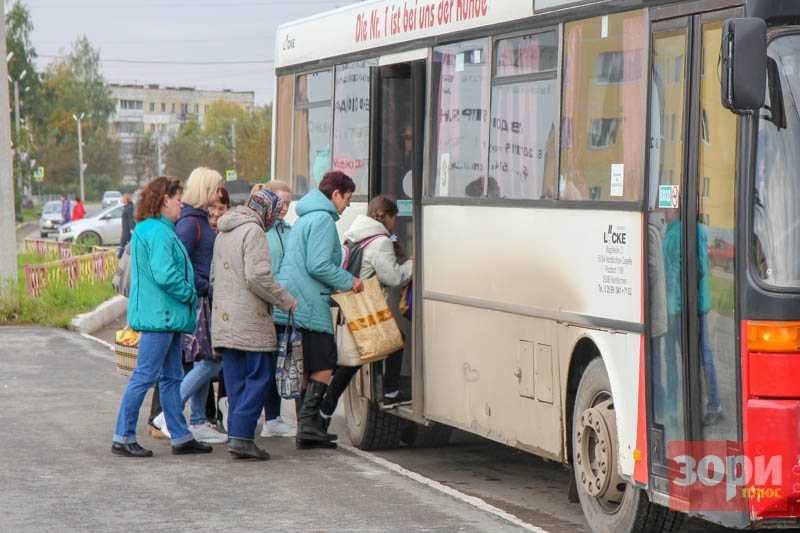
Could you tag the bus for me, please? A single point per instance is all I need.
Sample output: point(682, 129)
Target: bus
point(599, 201)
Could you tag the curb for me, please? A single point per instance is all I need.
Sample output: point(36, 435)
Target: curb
point(104, 314)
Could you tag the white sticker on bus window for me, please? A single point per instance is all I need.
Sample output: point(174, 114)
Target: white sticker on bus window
point(460, 62)
point(668, 196)
point(617, 179)
point(444, 175)
point(405, 208)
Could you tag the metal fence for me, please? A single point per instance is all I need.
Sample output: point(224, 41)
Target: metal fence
point(48, 248)
point(98, 266)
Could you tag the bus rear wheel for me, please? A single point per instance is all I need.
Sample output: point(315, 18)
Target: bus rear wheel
point(369, 427)
point(609, 503)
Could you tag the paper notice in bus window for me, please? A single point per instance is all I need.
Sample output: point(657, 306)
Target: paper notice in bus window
point(460, 62)
point(668, 196)
point(444, 175)
point(617, 179)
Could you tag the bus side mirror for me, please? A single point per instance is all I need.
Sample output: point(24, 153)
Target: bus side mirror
point(744, 64)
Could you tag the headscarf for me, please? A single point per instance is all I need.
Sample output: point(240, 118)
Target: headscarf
point(267, 205)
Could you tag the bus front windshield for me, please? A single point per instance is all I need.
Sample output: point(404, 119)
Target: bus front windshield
point(776, 222)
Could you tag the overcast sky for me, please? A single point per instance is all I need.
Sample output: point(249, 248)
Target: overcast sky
point(174, 30)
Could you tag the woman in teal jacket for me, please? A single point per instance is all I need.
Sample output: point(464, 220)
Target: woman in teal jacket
point(311, 271)
point(161, 305)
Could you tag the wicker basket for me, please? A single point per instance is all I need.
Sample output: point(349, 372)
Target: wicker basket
point(126, 348)
point(126, 358)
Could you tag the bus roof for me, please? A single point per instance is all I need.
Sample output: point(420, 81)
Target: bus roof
point(377, 23)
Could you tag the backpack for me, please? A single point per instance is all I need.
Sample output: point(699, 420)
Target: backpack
point(354, 254)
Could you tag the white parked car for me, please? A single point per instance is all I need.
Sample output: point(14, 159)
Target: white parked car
point(51, 218)
point(101, 229)
point(111, 198)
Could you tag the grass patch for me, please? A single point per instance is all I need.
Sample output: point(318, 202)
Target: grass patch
point(29, 214)
point(57, 304)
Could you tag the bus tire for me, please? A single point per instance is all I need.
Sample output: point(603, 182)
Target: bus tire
point(432, 436)
point(609, 504)
point(369, 427)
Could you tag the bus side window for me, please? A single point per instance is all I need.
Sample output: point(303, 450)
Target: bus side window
point(603, 102)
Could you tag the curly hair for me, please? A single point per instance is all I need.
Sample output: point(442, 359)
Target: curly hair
point(152, 198)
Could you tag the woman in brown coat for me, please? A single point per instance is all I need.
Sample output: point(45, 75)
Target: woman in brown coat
point(241, 321)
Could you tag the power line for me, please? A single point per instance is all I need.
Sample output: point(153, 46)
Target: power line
point(192, 5)
point(176, 63)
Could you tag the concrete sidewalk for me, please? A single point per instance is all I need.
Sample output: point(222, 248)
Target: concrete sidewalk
point(60, 394)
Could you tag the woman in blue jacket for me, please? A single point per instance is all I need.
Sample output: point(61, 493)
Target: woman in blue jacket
point(162, 306)
point(311, 271)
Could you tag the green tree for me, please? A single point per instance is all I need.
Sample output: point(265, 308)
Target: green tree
point(192, 148)
point(145, 157)
point(253, 136)
point(72, 85)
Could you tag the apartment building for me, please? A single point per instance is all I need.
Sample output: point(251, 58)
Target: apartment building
point(161, 111)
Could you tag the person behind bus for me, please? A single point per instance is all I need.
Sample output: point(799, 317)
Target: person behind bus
point(379, 259)
point(128, 223)
point(78, 211)
point(241, 321)
point(162, 306)
point(278, 234)
point(311, 271)
point(66, 209)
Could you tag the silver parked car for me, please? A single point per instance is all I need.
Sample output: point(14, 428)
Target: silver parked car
point(51, 218)
point(111, 198)
point(101, 229)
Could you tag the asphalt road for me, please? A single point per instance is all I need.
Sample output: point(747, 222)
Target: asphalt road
point(60, 395)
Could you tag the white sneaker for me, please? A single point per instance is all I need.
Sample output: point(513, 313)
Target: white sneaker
point(208, 434)
point(278, 428)
point(161, 424)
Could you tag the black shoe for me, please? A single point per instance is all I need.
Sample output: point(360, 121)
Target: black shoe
point(191, 446)
point(303, 444)
point(311, 426)
point(131, 449)
point(400, 398)
point(246, 449)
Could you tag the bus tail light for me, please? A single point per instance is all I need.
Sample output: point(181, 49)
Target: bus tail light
point(771, 415)
point(773, 337)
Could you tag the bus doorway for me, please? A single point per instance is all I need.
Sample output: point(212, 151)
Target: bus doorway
point(397, 125)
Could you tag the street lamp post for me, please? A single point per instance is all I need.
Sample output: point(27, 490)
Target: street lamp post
point(78, 119)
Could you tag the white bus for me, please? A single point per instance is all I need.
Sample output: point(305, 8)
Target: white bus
point(603, 217)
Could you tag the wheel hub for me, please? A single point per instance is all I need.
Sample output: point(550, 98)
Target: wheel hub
point(596, 461)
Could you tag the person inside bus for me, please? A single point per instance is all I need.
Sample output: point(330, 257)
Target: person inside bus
point(311, 271)
point(672, 243)
point(372, 233)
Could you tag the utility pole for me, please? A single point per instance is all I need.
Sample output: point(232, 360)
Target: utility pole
point(233, 142)
point(159, 171)
point(16, 134)
point(78, 119)
point(8, 227)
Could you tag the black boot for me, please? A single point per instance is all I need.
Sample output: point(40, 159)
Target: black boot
point(246, 449)
point(311, 426)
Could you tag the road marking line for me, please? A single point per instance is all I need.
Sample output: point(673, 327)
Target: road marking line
point(101, 341)
point(435, 485)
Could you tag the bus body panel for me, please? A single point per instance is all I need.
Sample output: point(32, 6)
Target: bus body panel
point(502, 318)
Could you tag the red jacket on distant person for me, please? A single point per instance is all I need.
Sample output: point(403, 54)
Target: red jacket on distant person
point(78, 212)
